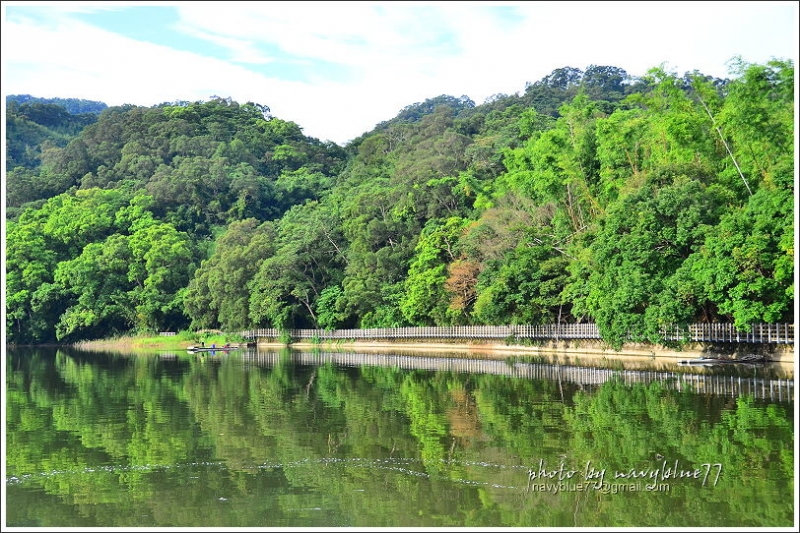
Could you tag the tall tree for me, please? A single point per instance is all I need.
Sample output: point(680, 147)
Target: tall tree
point(425, 299)
point(219, 293)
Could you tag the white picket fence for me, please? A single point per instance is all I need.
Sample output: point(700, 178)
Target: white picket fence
point(725, 333)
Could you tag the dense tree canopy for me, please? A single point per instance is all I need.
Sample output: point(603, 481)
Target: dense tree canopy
point(635, 203)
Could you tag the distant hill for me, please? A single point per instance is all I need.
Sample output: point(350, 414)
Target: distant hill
point(33, 124)
point(75, 106)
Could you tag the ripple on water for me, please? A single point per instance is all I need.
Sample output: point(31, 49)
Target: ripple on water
point(405, 466)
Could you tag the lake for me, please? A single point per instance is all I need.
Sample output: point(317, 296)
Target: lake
point(256, 438)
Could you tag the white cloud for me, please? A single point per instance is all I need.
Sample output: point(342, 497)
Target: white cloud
point(394, 53)
point(241, 50)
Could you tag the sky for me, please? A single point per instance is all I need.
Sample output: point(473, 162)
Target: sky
point(339, 68)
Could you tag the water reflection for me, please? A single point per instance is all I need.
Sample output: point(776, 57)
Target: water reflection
point(326, 439)
point(768, 381)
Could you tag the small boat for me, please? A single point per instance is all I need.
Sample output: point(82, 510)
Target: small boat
point(197, 349)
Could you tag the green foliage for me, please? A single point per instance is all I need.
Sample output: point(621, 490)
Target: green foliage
point(560, 167)
point(126, 282)
point(425, 300)
point(640, 243)
point(307, 259)
point(164, 260)
point(758, 118)
point(524, 289)
point(327, 307)
point(416, 112)
point(30, 261)
point(218, 294)
point(745, 268)
point(92, 263)
point(295, 187)
point(38, 243)
point(633, 203)
point(34, 126)
point(75, 106)
point(97, 282)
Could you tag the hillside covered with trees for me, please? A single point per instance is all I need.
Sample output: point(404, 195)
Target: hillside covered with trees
point(634, 203)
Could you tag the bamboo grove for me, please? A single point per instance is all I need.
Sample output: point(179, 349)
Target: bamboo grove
point(591, 196)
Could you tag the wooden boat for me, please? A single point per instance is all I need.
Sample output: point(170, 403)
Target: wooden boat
point(198, 349)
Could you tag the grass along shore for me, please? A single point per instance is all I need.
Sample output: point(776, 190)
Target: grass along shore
point(150, 342)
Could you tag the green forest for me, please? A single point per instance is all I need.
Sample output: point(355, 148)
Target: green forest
point(590, 196)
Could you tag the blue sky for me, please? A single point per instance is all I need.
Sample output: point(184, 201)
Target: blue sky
point(339, 68)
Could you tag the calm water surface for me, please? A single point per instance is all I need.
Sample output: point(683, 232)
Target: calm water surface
point(290, 439)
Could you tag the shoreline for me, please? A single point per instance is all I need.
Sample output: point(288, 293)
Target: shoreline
point(590, 350)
